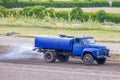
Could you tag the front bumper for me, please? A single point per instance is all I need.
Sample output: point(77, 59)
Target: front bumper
point(103, 56)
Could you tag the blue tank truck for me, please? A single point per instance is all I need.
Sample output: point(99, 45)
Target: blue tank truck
point(62, 46)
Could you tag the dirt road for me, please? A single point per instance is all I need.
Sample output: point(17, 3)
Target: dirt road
point(94, 9)
point(73, 70)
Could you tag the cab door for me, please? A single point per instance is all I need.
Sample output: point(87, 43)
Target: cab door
point(78, 47)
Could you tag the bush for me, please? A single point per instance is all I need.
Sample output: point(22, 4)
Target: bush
point(94, 4)
point(51, 13)
point(14, 12)
point(116, 4)
point(88, 15)
point(60, 4)
point(38, 11)
point(3, 11)
point(100, 15)
point(8, 3)
point(23, 4)
point(77, 14)
point(113, 17)
point(57, 4)
point(62, 14)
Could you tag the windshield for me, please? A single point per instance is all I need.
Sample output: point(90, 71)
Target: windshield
point(89, 41)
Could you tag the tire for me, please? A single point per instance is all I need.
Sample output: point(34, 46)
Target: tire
point(63, 58)
point(88, 59)
point(50, 57)
point(101, 60)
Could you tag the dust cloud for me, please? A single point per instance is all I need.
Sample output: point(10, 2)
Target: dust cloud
point(22, 51)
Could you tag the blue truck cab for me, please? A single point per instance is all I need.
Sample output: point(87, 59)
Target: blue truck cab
point(62, 46)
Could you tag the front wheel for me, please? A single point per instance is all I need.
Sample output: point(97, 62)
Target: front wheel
point(50, 57)
point(101, 60)
point(88, 59)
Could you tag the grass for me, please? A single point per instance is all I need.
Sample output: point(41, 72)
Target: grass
point(25, 30)
point(37, 27)
point(30, 26)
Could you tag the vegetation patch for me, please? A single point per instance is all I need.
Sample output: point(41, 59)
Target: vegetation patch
point(76, 14)
point(58, 3)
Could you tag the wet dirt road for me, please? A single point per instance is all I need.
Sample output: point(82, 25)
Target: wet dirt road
point(33, 69)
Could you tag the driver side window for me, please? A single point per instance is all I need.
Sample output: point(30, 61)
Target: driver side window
point(78, 41)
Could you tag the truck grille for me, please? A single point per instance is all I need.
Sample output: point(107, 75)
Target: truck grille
point(104, 52)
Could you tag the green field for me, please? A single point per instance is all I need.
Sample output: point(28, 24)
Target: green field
point(31, 26)
point(98, 34)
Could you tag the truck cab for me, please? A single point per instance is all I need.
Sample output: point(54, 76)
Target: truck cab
point(81, 43)
point(86, 48)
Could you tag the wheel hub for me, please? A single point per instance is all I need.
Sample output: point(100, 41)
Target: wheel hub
point(87, 60)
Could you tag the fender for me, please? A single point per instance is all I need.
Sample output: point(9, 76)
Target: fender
point(90, 50)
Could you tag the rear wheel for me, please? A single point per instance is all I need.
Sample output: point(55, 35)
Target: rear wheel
point(101, 60)
point(63, 58)
point(88, 59)
point(50, 57)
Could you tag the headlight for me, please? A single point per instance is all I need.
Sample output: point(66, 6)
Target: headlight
point(98, 52)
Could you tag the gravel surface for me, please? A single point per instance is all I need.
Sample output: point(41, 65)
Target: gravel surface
point(73, 70)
